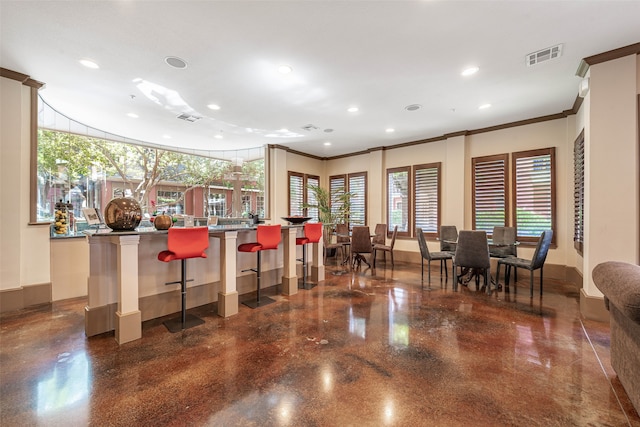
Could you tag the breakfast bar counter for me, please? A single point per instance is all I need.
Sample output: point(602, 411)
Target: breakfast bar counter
point(126, 283)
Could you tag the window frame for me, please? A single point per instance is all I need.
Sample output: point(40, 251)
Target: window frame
point(514, 202)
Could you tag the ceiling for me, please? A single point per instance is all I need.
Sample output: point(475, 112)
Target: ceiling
point(379, 56)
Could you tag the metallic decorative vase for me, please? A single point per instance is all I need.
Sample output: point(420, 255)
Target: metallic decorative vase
point(122, 214)
point(163, 222)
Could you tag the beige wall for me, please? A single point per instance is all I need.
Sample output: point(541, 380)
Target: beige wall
point(24, 249)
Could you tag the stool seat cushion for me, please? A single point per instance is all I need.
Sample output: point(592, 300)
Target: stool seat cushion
point(250, 247)
point(183, 243)
point(302, 241)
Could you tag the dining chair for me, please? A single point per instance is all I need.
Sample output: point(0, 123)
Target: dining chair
point(448, 237)
point(360, 245)
point(472, 252)
point(380, 237)
point(535, 263)
point(504, 244)
point(431, 256)
point(386, 248)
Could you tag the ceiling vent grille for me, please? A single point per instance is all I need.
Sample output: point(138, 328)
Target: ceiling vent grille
point(543, 55)
point(189, 117)
point(310, 127)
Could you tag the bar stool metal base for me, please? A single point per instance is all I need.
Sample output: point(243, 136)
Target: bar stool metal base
point(175, 325)
point(303, 284)
point(254, 303)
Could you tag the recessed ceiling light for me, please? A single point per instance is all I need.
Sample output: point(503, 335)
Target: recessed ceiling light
point(469, 71)
point(484, 106)
point(166, 136)
point(133, 115)
point(284, 130)
point(413, 107)
point(327, 143)
point(285, 69)
point(352, 109)
point(218, 136)
point(213, 106)
point(89, 64)
point(389, 130)
point(175, 62)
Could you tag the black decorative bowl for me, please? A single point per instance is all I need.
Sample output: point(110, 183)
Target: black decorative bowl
point(296, 219)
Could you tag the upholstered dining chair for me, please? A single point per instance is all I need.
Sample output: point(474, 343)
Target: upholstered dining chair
point(448, 235)
point(431, 256)
point(360, 245)
point(386, 248)
point(504, 244)
point(380, 237)
point(472, 252)
point(535, 263)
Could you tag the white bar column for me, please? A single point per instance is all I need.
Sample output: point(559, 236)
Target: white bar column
point(317, 261)
point(128, 316)
point(289, 278)
point(228, 296)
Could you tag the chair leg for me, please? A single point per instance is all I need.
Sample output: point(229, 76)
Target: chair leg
point(531, 284)
point(184, 321)
point(541, 268)
point(429, 273)
point(498, 275)
point(392, 263)
point(258, 302)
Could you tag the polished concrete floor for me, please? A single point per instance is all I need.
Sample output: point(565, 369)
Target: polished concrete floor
point(361, 349)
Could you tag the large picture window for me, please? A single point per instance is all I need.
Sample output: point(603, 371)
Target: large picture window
point(534, 192)
point(489, 192)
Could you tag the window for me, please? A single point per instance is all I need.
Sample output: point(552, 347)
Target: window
point(300, 194)
point(578, 192)
point(355, 183)
point(88, 171)
point(426, 196)
point(489, 192)
point(398, 202)
point(534, 193)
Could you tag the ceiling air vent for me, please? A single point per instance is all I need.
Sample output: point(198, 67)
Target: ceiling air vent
point(189, 117)
point(309, 128)
point(544, 55)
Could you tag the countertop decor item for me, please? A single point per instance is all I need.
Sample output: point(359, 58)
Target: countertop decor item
point(122, 214)
point(163, 222)
point(296, 219)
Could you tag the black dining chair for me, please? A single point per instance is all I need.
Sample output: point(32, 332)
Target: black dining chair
point(472, 252)
point(535, 263)
point(360, 245)
point(431, 256)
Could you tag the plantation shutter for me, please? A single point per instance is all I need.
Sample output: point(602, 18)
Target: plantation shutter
point(489, 192)
point(358, 187)
point(427, 197)
point(337, 185)
point(311, 197)
point(296, 193)
point(398, 199)
point(578, 192)
point(533, 178)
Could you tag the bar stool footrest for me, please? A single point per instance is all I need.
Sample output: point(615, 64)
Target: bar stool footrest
point(175, 325)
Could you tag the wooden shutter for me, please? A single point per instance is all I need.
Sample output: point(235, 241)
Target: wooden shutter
point(578, 192)
point(534, 192)
point(399, 199)
point(337, 184)
point(296, 193)
point(489, 192)
point(426, 184)
point(358, 187)
point(311, 197)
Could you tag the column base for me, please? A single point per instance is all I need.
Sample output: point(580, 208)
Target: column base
point(128, 326)
point(290, 285)
point(227, 304)
point(317, 273)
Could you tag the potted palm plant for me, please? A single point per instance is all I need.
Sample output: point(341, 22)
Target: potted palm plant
point(332, 209)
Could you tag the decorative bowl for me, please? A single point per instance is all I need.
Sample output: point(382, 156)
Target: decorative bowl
point(296, 219)
point(122, 214)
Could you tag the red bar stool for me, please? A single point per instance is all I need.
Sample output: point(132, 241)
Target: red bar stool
point(182, 244)
point(312, 234)
point(268, 237)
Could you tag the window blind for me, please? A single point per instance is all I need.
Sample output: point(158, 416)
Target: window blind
point(489, 192)
point(358, 187)
point(533, 178)
point(311, 197)
point(336, 186)
point(296, 193)
point(426, 186)
point(578, 192)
